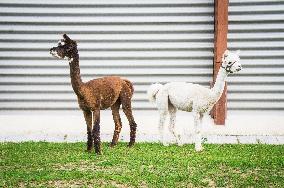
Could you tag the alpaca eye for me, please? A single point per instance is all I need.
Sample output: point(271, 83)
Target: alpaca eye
point(61, 43)
point(225, 56)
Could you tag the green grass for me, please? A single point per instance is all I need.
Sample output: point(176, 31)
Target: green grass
point(42, 164)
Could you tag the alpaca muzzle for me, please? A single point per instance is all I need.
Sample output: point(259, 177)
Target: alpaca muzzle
point(239, 68)
point(53, 52)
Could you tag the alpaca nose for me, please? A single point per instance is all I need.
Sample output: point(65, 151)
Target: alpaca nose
point(51, 50)
point(239, 67)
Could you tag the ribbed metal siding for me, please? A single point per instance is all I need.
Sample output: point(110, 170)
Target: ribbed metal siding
point(142, 40)
point(257, 29)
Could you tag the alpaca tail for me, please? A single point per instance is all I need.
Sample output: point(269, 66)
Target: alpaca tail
point(152, 91)
point(130, 85)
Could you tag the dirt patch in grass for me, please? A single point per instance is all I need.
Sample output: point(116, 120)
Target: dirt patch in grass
point(84, 166)
point(209, 182)
point(74, 184)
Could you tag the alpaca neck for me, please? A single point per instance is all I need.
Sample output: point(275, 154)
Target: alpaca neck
point(76, 80)
point(220, 83)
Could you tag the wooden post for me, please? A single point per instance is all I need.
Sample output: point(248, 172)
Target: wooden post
point(219, 111)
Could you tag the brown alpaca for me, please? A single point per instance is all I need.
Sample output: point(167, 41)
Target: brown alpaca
point(96, 95)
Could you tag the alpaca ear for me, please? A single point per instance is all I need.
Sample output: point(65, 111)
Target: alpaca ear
point(226, 52)
point(238, 52)
point(66, 37)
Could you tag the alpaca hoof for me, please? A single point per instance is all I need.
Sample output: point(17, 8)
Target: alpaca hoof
point(166, 144)
point(89, 150)
point(199, 149)
point(112, 145)
point(130, 144)
point(180, 144)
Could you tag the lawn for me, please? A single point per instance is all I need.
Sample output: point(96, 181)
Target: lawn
point(43, 164)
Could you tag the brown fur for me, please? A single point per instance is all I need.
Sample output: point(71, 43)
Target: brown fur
point(96, 95)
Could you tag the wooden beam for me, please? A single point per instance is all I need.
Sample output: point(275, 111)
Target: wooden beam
point(220, 45)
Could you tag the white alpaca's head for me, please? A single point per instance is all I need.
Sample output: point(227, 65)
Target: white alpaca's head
point(231, 61)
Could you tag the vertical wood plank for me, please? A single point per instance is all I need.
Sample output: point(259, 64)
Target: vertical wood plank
point(220, 45)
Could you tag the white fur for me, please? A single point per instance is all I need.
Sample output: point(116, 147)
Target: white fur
point(60, 42)
point(69, 59)
point(152, 91)
point(191, 97)
point(54, 53)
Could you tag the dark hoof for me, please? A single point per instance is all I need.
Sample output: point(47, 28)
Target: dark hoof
point(89, 150)
point(112, 145)
point(131, 144)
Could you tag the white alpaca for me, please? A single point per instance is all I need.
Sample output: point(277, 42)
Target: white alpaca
point(191, 97)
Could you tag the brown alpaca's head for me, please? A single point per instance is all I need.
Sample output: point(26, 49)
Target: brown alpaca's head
point(66, 48)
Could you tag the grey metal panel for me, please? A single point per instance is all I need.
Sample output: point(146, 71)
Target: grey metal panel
point(145, 41)
point(257, 29)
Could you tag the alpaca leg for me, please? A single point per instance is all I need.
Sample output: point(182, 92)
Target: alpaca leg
point(162, 101)
point(117, 122)
point(133, 126)
point(197, 127)
point(200, 125)
point(163, 116)
point(96, 131)
point(125, 98)
point(88, 119)
point(172, 125)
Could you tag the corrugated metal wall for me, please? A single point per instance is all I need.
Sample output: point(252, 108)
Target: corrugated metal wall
point(257, 28)
point(143, 40)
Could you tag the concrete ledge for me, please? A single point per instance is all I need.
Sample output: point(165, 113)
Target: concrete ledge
point(209, 139)
point(242, 128)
